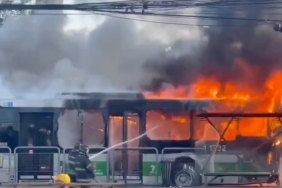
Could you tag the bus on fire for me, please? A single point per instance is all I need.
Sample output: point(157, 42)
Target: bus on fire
point(199, 144)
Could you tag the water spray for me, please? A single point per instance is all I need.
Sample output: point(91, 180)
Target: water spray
point(121, 143)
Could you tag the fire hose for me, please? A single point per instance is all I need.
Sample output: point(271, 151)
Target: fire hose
point(121, 143)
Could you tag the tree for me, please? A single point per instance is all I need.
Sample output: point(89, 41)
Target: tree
point(6, 13)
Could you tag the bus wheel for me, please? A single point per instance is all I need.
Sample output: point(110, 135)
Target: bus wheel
point(187, 177)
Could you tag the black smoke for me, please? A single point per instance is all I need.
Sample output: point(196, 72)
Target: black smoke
point(38, 56)
point(237, 50)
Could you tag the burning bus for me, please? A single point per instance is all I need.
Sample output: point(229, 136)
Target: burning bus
point(204, 141)
point(243, 118)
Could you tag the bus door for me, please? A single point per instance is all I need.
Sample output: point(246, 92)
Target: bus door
point(126, 161)
point(36, 129)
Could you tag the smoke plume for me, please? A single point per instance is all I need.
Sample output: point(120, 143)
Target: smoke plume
point(41, 55)
point(248, 54)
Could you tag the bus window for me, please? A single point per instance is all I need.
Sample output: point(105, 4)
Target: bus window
point(274, 124)
point(69, 124)
point(173, 126)
point(8, 133)
point(89, 123)
point(116, 123)
point(133, 130)
point(203, 130)
point(9, 137)
point(116, 126)
point(115, 130)
point(36, 128)
point(93, 132)
point(254, 127)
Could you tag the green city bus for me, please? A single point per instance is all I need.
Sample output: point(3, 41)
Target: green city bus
point(184, 144)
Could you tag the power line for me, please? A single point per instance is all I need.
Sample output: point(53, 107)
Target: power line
point(234, 2)
point(179, 24)
point(100, 7)
point(155, 22)
point(183, 16)
point(214, 10)
point(113, 7)
point(85, 8)
point(124, 4)
point(247, 4)
point(220, 3)
point(191, 16)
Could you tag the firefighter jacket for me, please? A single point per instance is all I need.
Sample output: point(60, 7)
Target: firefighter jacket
point(71, 161)
point(83, 167)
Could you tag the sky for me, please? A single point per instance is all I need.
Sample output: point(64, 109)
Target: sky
point(160, 33)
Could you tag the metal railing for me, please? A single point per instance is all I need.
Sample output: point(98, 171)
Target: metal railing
point(36, 162)
point(46, 160)
point(131, 158)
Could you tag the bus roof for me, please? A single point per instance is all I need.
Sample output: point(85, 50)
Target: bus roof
point(80, 103)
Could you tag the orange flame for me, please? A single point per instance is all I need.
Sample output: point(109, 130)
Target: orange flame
point(233, 95)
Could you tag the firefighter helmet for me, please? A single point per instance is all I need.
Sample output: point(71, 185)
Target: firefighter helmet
point(77, 146)
point(84, 149)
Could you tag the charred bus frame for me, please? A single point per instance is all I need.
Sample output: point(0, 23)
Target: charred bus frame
point(268, 176)
point(125, 105)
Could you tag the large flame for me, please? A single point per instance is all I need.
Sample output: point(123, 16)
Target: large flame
point(231, 96)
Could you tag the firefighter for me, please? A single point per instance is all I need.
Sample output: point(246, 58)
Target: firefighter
point(71, 162)
point(83, 166)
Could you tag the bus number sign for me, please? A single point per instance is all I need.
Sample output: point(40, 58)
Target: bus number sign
point(220, 148)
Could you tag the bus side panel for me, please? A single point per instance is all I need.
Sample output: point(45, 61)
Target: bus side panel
point(151, 169)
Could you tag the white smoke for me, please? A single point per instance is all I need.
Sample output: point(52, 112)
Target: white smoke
point(41, 55)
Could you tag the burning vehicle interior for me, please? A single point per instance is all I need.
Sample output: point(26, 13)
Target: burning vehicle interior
point(240, 120)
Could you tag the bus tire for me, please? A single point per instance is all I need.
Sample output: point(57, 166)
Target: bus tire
point(187, 177)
